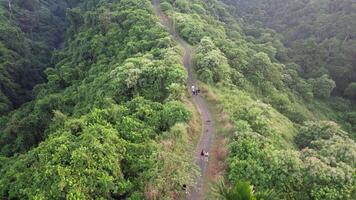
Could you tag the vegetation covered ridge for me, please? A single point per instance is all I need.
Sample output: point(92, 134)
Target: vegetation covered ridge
point(111, 122)
point(207, 135)
point(281, 138)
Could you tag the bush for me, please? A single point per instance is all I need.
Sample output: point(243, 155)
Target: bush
point(254, 115)
point(182, 5)
point(190, 27)
point(174, 112)
point(305, 89)
point(323, 86)
point(211, 62)
point(312, 131)
point(340, 104)
point(350, 91)
point(198, 9)
point(206, 76)
point(281, 102)
point(165, 6)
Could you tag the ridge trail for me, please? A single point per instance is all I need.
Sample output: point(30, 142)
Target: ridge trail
point(195, 192)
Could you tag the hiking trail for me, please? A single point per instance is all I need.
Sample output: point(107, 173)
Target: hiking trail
point(195, 192)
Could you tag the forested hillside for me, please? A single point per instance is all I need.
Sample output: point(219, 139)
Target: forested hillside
point(111, 118)
point(277, 119)
point(110, 122)
point(29, 32)
point(320, 35)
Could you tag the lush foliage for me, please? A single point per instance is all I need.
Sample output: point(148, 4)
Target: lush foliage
point(110, 122)
point(322, 169)
point(274, 105)
point(29, 32)
point(243, 191)
point(320, 34)
point(240, 191)
point(211, 64)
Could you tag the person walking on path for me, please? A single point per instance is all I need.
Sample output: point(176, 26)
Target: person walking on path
point(206, 155)
point(193, 89)
point(197, 90)
point(202, 152)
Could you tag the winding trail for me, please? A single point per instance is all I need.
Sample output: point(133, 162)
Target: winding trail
point(195, 192)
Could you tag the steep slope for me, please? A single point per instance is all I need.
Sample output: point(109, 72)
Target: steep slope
point(277, 137)
point(320, 34)
point(30, 31)
point(114, 120)
point(111, 122)
point(319, 39)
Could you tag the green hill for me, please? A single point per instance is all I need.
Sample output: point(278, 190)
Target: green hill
point(112, 118)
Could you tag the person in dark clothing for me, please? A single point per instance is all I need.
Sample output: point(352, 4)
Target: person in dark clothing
point(202, 152)
point(197, 91)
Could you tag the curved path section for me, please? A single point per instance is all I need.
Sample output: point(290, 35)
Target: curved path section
point(208, 131)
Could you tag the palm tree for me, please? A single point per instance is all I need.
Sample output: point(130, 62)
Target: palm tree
point(267, 195)
point(243, 190)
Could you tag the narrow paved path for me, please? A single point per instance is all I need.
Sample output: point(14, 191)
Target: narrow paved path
point(208, 131)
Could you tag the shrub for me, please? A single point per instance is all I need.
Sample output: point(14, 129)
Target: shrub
point(350, 91)
point(166, 6)
point(323, 86)
point(182, 5)
point(312, 131)
point(210, 61)
point(198, 9)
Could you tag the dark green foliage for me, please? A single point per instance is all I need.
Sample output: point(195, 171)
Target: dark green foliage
point(261, 68)
point(83, 157)
point(320, 35)
point(29, 32)
point(110, 122)
point(323, 86)
point(350, 91)
point(75, 162)
point(240, 191)
point(165, 6)
point(182, 5)
point(211, 64)
point(96, 129)
point(268, 93)
point(131, 66)
point(243, 190)
point(304, 175)
point(190, 28)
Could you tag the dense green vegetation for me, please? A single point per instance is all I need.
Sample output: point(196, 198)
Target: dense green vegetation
point(29, 32)
point(111, 121)
point(319, 39)
point(281, 141)
point(320, 35)
point(243, 191)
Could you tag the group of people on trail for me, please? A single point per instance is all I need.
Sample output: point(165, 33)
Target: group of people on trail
point(195, 90)
point(204, 154)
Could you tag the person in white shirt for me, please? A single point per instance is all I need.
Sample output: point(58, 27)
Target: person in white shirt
point(193, 89)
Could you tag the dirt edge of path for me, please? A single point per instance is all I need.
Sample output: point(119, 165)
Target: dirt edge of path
point(196, 192)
